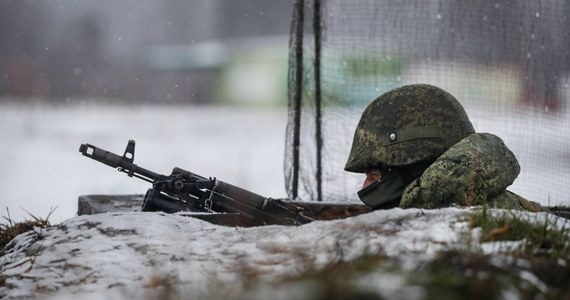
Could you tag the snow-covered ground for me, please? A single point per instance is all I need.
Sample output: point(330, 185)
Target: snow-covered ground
point(138, 255)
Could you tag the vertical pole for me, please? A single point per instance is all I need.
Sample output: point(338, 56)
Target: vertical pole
point(298, 92)
point(318, 106)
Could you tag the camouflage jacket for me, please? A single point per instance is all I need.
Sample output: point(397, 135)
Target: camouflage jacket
point(475, 171)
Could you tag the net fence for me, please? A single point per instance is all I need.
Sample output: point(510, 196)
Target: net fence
point(507, 62)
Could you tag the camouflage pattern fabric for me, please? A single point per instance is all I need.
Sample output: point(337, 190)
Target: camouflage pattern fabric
point(407, 125)
point(475, 171)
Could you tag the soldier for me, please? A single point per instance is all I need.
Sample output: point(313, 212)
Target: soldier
point(418, 148)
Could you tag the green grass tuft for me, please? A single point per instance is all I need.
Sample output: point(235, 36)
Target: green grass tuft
point(543, 238)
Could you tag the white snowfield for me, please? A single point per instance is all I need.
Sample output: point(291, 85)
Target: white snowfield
point(134, 255)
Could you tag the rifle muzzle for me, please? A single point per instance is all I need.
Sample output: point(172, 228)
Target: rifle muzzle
point(100, 155)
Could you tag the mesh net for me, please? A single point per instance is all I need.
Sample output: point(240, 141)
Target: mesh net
point(507, 62)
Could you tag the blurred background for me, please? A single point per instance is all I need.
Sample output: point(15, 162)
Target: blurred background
point(144, 51)
point(210, 86)
point(201, 85)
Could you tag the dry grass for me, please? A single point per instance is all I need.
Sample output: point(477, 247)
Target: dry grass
point(162, 287)
point(11, 229)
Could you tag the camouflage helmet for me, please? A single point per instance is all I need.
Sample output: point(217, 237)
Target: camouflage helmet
point(407, 125)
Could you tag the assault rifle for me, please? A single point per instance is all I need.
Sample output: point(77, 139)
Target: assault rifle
point(185, 191)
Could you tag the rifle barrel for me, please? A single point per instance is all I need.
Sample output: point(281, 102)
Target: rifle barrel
point(121, 163)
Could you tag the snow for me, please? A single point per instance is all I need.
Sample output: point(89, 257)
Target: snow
point(136, 254)
point(119, 254)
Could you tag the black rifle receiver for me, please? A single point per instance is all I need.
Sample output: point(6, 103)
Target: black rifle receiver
point(185, 191)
